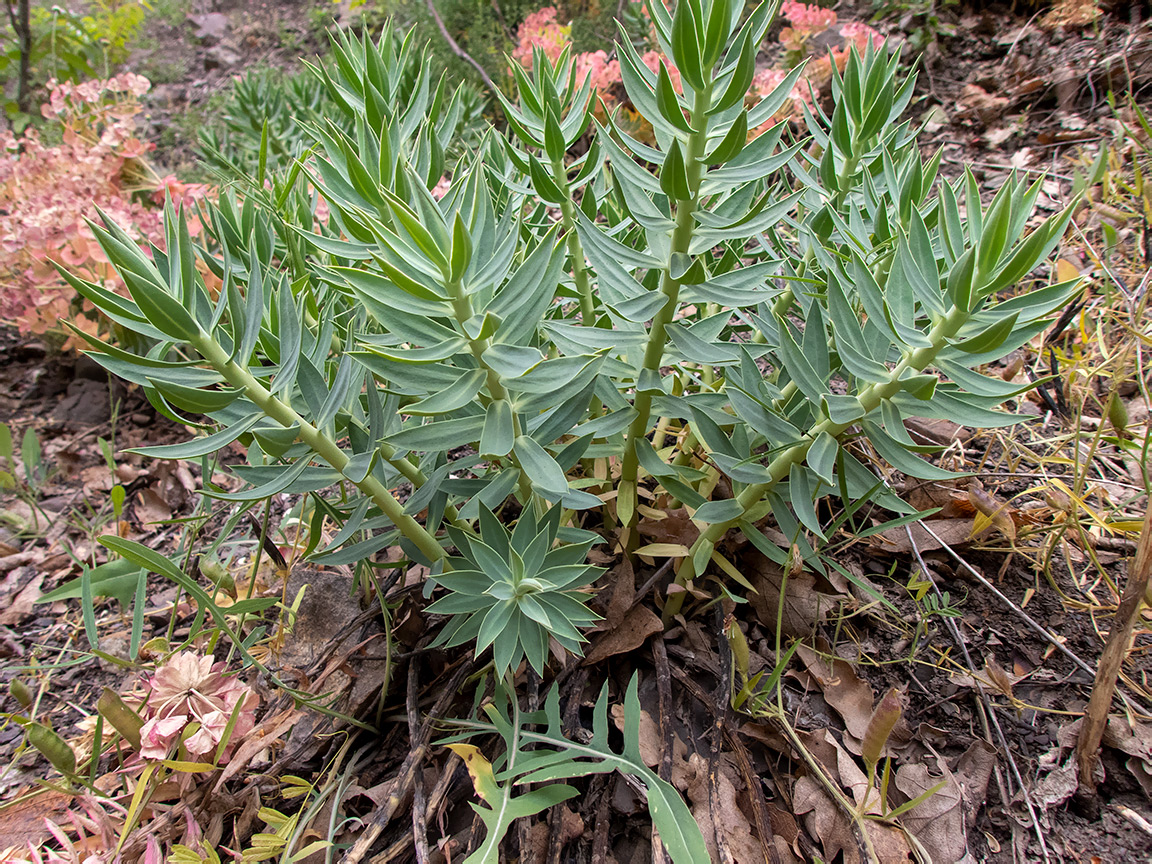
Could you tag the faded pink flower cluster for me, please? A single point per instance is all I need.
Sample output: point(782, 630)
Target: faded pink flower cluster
point(763, 83)
point(191, 689)
point(46, 193)
point(652, 60)
point(604, 72)
point(541, 30)
point(861, 34)
point(810, 20)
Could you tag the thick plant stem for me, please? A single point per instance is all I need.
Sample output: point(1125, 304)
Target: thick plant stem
point(575, 249)
point(321, 444)
point(779, 468)
point(412, 473)
point(670, 287)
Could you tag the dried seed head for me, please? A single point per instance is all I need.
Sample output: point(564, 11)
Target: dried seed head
point(20, 691)
point(994, 509)
point(880, 727)
point(738, 645)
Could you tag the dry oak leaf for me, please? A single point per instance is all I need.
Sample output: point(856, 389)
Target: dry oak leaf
point(22, 822)
point(718, 812)
point(804, 606)
point(977, 103)
point(676, 528)
point(651, 744)
point(827, 821)
point(940, 823)
point(843, 689)
point(953, 532)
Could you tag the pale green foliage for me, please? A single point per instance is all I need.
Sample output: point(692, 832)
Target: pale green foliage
point(512, 590)
point(784, 304)
point(554, 757)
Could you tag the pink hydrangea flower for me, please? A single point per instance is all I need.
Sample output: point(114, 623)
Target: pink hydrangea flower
point(187, 689)
point(541, 30)
point(603, 72)
point(653, 59)
point(861, 34)
point(807, 21)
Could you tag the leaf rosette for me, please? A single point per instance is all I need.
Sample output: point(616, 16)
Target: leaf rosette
point(513, 590)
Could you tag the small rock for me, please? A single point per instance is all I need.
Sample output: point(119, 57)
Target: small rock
point(85, 403)
point(211, 27)
point(220, 57)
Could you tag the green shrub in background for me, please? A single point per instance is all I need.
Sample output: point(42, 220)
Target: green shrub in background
point(293, 105)
point(739, 327)
point(63, 45)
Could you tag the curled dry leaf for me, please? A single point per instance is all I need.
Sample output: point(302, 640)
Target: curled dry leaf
point(992, 509)
point(633, 631)
point(842, 688)
point(651, 744)
point(955, 532)
point(718, 811)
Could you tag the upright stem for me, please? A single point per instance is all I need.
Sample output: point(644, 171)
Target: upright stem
point(321, 444)
point(462, 309)
point(575, 249)
point(670, 287)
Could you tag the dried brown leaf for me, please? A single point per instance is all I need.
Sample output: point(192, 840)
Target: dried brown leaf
point(651, 744)
point(675, 528)
point(804, 606)
point(20, 606)
point(955, 532)
point(843, 689)
point(632, 632)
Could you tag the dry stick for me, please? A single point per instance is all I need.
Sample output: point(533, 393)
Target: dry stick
point(664, 692)
point(419, 814)
point(406, 776)
point(1107, 675)
point(759, 805)
point(456, 49)
point(1026, 618)
point(987, 711)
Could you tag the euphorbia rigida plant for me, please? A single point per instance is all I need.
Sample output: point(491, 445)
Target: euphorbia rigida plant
point(494, 377)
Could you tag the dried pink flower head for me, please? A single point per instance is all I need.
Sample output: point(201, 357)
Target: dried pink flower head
point(541, 30)
point(861, 34)
point(191, 689)
point(653, 59)
point(807, 21)
point(46, 192)
point(596, 65)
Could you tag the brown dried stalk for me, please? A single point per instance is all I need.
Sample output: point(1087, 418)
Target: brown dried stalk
point(1108, 671)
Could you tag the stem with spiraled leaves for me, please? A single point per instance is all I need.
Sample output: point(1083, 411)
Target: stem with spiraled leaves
point(778, 469)
point(670, 287)
point(321, 444)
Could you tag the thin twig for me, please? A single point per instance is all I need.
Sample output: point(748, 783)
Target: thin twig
point(984, 705)
point(456, 49)
point(1026, 618)
point(406, 776)
point(419, 813)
